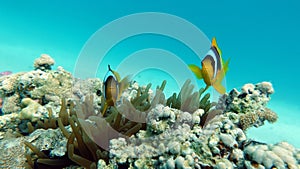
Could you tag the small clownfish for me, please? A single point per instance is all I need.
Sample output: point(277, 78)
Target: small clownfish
point(113, 87)
point(213, 68)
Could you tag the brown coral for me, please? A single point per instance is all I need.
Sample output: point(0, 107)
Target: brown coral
point(11, 153)
point(257, 118)
point(248, 120)
point(269, 115)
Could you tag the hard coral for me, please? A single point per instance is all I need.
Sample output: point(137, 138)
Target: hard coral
point(44, 62)
point(12, 153)
point(248, 120)
point(9, 84)
point(280, 155)
point(172, 139)
point(11, 104)
point(32, 110)
point(45, 86)
point(249, 104)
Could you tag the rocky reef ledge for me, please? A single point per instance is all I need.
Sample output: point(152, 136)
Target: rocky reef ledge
point(52, 120)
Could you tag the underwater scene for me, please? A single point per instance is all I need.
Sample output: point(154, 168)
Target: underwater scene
point(142, 85)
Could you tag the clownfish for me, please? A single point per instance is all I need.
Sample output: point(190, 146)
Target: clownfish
point(213, 68)
point(113, 87)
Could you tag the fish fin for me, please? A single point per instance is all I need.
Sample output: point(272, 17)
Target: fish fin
point(219, 88)
point(124, 84)
point(116, 74)
point(196, 70)
point(225, 65)
point(218, 82)
point(104, 109)
point(214, 44)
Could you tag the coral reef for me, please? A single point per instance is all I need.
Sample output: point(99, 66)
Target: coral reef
point(250, 104)
point(29, 94)
point(181, 142)
point(220, 144)
point(82, 88)
point(45, 87)
point(16, 155)
point(50, 140)
point(53, 120)
point(39, 85)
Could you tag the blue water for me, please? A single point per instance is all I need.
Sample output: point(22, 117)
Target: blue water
point(260, 37)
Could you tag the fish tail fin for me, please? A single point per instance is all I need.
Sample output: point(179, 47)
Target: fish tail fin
point(196, 70)
point(219, 88)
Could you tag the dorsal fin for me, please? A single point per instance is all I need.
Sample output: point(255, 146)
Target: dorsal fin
point(214, 42)
point(215, 45)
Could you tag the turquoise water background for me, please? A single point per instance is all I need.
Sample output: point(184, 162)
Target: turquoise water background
point(260, 37)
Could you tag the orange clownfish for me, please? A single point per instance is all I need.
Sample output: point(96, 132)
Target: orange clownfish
point(213, 68)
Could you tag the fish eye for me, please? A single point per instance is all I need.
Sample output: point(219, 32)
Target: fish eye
point(98, 92)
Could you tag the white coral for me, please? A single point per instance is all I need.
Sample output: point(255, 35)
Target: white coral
point(33, 111)
point(43, 62)
point(277, 155)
